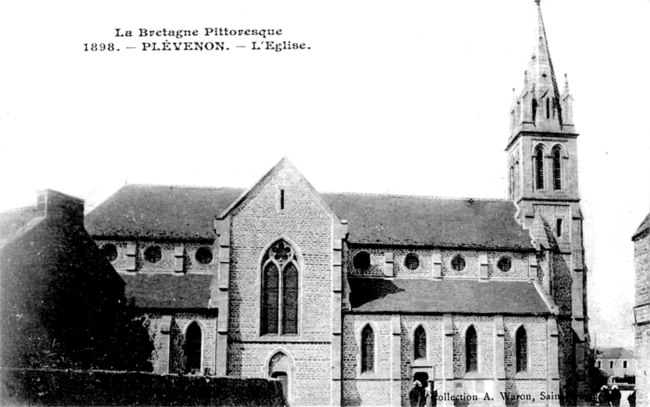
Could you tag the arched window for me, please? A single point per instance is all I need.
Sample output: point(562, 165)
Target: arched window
point(471, 350)
point(539, 167)
point(548, 108)
point(557, 168)
point(420, 343)
point(367, 349)
point(280, 285)
point(193, 348)
point(521, 351)
point(534, 103)
point(290, 300)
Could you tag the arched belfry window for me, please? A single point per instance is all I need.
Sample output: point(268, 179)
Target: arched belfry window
point(471, 350)
point(534, 109)
point(557, 167)
point(280, 285)
point(193, 339)
point(367, 349)
point(539, 167)
point(420, 343)
point(521, 351)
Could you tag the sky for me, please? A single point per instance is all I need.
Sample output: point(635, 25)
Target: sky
point(391, 97)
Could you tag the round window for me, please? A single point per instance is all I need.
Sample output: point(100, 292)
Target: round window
point(204, 255)
point(458, 263)
point(504, 264)
point(361, 261)
point(110, 252)
point(411, 261)
point(153, 254)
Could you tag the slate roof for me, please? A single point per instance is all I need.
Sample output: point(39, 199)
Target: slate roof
point(160, 212)
point(440, 222)
point(645, 225)
point(14, 221)
point(370, 295)
point(615, 353)
point(165, 291)
point(145, 211)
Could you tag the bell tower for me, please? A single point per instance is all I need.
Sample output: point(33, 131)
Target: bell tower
point(543, 183)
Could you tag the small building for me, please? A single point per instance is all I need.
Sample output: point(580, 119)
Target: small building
point(616, 362)
point(641, 241)
point(59, 295)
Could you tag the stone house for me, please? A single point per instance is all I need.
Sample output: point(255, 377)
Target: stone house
point(58, 292)
point(347, 298)
point(616, 362)
point(641, 241)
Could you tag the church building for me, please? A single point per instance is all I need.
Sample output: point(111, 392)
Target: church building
point(347, 298)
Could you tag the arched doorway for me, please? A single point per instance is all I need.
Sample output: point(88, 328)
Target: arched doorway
point(280, 368)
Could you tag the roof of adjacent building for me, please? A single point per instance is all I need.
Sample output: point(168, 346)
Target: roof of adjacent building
point(645, 225)
point(187, 213)
point(14, 221)
point(615, 353)
point(149, 290)
point(458, 296)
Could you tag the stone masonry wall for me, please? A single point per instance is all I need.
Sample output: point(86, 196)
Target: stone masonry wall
point(166, 263)
point(305, 223)
point(642, 334)
point(519, 270)
point(373, 388)
point(368, 388)
point(309, 376)
point(179, 324)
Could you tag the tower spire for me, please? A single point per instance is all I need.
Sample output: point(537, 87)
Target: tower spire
point(540, 103)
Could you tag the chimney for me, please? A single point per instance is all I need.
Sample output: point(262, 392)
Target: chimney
point(56, 205)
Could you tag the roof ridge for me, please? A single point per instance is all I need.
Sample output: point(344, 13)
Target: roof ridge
point(456, 198)
point(19, 209)
point(416, 196)
point(180, 186)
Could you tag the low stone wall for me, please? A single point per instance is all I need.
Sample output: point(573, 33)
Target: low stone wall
point(104, 388)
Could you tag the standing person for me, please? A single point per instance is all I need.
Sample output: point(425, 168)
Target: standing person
point(417, 395)
point(603, 396)
point(432, 395)
point(615, 396)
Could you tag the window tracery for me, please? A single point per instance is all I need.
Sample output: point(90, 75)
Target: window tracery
point(280, 289)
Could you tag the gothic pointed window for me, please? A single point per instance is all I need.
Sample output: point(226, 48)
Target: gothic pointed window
point(290, 300)
point(193, 348)
point(280, 289)
point(557, 168)
point(548, 108)
point(539, 167)
point(471, 350)
point(367, 349)
point(521, 351)
point(420, 343)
